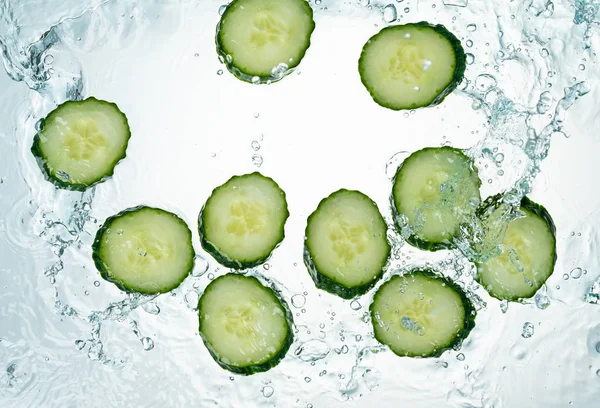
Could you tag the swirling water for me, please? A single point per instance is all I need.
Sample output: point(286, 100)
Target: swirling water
point(527, 113)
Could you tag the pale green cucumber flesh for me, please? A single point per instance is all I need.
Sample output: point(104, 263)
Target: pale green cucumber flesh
point(435, 190)
point(145, 250)
point(346, 247)
point(244, 324)
point(421, 315)
point(243, 220)
point(80, 143)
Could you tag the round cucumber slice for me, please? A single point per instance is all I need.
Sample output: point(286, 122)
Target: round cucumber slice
point(421, 314)
point(243, 221)
point(527, 251)
point(410, 66)
point(346, 247)
point(145, 250)
point(80, 143)
point(261, 41)
point(435, 190)
point(244, 324)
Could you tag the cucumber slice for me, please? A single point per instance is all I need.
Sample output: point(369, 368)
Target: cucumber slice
point(80, 143)
point(421, 314)
point(243, 221)
point(435, 190)
point(346, 247)
point(260, 41)
point(526, 250)
point(412, 65)
point(244, 324)
point(145, 250)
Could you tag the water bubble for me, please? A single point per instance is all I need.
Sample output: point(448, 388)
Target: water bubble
point(222, 9)
point(472, 27)
point(255, 145)
point(542, 301)
point(317, 2)
point(565, 276)
point(298, 301)
point(220, 72)
point(470, 58)
point(200, 267)
point(48, 59)
point(544, 53)
point(355, 305)
point(191, 300)
point(598, 372)
point(358, 337)
point(210, 276)
point(79, 344)
point(255, 80)
point(257, 160)
point(322, 373)
point(460, 357)
point(151, 308)
point(147, 343)
point(406, 9)
point(469, 43)
point(390, 13)
point(528, 330)
point(581, 67)
point(576, 273)
point(279, 71)
point(96, 283)
point(504, 306)
point(545, 102)
point(485, 82)
point(307, 379)
point(267, 391)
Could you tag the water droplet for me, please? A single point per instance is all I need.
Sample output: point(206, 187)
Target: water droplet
point(307, 379)
point(267, 391)
point(390, 13)
point(472, 27)
point(191, 300)
point(581, 67)
point(576, 273)
point(544, 53)
point(200, 267)
point(406, 9)
point(322, 373)
point(298, 301)
point(469, 43)
point(279, 70)
point(96, 283)
point(210, 276)
point(151, 307)
point(470, 58)
point(222, 9)
point(147, 343)
point(460, 357)
point(317, 2)
point(255, 80)
point(255, 145)
point(358, 337)
point(220, 72)
point(86, 293)
point(504, 306)
point(528, 330)
point(257, 160)
point(355, 305)
point(565, 276)
point(542, 301)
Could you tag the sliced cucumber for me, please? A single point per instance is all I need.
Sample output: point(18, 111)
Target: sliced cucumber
point(346, 245)
point(412, 65)
point(435, 190)
point(80, 143)
point(244, 324)
point(421, 314)
point(243, 220)
point(262, 40)
point(526, 249)
point(145, 250)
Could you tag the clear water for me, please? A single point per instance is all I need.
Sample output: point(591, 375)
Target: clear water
point(527, 112)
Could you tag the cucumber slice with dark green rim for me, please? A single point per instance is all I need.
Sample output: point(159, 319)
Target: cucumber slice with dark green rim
point(145, 250)
point(245, 325)
point(526, 250)
point(435, 190)
point(346, 247)
point(412, 65)
point(421, 314)
point(80, 143)
point(261, 41)
point(243, 221)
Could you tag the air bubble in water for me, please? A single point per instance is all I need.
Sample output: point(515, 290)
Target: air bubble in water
point(279, 70)
point(544, 103)
point(542, 301)
point(147, 343)
point(581, 67)
point(460, 357)
point(48, 59)
point(267, 391)
point(355, 305)
point(255, 145)
point(528, 330)
point(472, 27)
point(576, 273)
point(390, 13)
point(298, 301)
point(504, 306)
point(307, 379)
point(406, 9)
point(191, 300)
point(485, 82)
point(96, 283)
point(200, 267)
point(151, 308)
point(222, 9)
point(220, 72)
point(317, 2)
point(470, 58)
point(469, 43)
point(257, 160)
